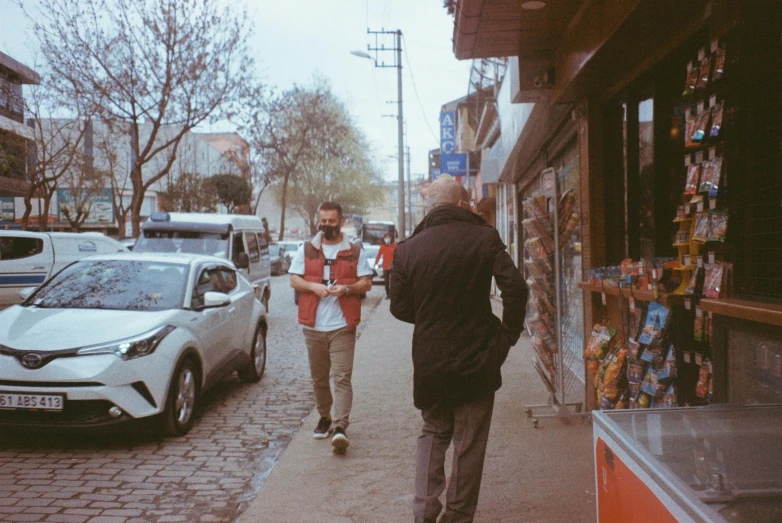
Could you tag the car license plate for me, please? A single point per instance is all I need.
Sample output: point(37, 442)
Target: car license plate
point(21, 401)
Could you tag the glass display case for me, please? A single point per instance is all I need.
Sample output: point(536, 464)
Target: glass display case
point(716, 463)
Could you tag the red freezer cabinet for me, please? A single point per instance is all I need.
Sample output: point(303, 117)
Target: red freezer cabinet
point(719, 463)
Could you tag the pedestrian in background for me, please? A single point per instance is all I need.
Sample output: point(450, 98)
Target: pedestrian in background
point(330, 274)
point(441, 283)
point(386, 252)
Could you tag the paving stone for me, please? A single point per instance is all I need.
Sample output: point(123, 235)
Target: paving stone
point(205, 476)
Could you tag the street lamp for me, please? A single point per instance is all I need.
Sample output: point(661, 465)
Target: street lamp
point(400, 119)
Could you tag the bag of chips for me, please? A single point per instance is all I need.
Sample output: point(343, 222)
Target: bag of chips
point(693, 175)
point(719, 64)
point(704, 73)
point(656, 320)
point(717, 113)
point(704, 379)
point(692, 80)
point(702, 227)
point(718, 226)
point(701, 127)
point(693, 281)
point(599, 341)
point(712, 281)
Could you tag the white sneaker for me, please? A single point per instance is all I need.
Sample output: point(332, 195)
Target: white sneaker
point(340, 441)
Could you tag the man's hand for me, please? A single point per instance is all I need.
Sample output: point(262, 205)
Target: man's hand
point(337, 290)
point(320, 289)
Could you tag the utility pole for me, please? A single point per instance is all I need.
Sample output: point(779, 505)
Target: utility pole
point(377, 49)
point(410, 212)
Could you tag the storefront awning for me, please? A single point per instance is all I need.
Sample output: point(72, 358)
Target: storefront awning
point(498, 28)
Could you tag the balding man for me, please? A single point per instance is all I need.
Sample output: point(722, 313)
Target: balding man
point(441, 283)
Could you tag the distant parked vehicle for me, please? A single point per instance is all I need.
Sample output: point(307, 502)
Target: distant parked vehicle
point(29, 258)
point(129, 243)
point(280, 259)
point(122, 337)
point(236, 237)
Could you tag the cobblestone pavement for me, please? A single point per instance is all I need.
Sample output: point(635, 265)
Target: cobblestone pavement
point(210, 475)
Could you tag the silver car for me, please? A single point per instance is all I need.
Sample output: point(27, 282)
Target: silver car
point(121, 337)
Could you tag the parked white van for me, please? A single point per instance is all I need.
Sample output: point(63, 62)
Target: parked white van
point(236, 237)
point(28, 258)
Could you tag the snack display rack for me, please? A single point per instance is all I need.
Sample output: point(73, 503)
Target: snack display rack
point(653, 346)
point(546, 238)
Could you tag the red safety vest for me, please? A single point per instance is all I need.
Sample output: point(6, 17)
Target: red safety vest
point(344, 270)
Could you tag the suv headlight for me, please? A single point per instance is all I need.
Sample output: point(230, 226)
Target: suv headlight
point(130, 348)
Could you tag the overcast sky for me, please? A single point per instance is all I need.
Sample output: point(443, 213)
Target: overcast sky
point(295, 38)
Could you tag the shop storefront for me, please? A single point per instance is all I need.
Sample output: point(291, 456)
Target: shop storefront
point(677, 168)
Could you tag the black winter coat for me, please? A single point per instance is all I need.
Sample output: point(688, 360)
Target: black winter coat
point(441, 280)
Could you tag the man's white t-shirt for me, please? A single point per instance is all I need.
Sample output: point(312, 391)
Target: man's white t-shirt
point(329, 315)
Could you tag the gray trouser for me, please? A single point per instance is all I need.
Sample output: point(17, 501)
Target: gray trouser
point(331, 356)
point(468, 427)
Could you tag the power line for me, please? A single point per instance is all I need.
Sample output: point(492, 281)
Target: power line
point(415, 89)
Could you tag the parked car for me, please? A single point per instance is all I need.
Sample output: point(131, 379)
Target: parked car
point(377, 268)
point(129, 243)
point(280, 259)
point(123, 337)
point(28, 258)
point(237, 237)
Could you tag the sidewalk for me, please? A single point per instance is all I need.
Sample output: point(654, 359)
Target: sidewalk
point(531, 475)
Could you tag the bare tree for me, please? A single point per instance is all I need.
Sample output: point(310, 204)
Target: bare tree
point(113, 167)
point(78, 190)
point(162, 67)
point(58, 148)
point(286, 129)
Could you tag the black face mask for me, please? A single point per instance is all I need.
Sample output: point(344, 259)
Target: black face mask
point(330, 231)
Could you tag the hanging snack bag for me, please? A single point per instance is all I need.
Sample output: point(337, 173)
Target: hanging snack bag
point(719, 65)
point(710, 179)
point(697, 329)
point(692, 80)
point(611, 377)
point(712, 282)
point(693, 280)
point(704, 73)
point(691, 120)
point(652, 386)
point(702, 227)
point(717, 113)
point(715, 178)
point(719, 226)
point(598, 343)
point(667, 370)
point(693, 175)
point(656, 319)
point(669, 399)
point(704, 379)
point(701, 127)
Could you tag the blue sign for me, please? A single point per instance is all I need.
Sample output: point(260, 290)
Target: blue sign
point(447, 132)
point(453, 164)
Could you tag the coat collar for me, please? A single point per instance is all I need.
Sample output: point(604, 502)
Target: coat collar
point(317, 242)
point(443, 214)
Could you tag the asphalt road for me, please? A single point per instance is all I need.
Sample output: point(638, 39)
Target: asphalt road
point(210, 475)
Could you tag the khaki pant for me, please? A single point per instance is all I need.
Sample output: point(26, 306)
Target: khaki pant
point(467, 426)
point(331, 359)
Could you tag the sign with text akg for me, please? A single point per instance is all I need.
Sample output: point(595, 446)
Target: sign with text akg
point(447, 132)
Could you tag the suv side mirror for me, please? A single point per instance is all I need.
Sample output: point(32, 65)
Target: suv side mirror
point(216, 299)
point(242, 261)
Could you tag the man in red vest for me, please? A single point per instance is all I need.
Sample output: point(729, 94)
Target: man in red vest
point(330, 274)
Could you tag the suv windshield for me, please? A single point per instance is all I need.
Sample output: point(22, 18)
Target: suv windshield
point(115, 284)
point(193, 242)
